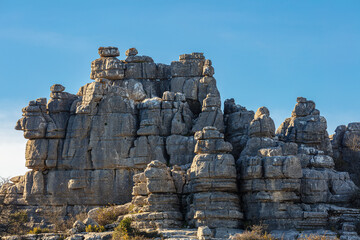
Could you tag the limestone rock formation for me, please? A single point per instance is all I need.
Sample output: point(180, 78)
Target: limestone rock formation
point(153, 136)
point(213, 200)
point(346, 149)
point(155, 200)
point(237, 120)
point(86, 148)
point(306, 126)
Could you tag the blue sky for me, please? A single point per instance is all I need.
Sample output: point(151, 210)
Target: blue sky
point(265, 53)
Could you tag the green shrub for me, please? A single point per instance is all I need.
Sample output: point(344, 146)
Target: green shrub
point(123, 230)
point(91, 228)
point(37, 230)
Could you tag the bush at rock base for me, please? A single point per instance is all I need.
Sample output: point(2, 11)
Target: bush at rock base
point(37, 230)
point(14, 223)
point(108, 215)
point(256, 233)
point(91, 228)
point(124, 231)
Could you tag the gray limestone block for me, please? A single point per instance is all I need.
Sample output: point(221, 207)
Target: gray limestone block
point(113, 126)
point(36, 153)
point(213, 166)
point(135, 89)
point(131, 52)
point(212, 146)
point(304, 108)
point(255, 143)
point(292, 167)
point(187, 68)
point(108, 51)
point(262, 125)
point(138, 59)
point(248, 170)
point(110, 153)
point(163, 71)
point(180, 149)
point(140, 70)
point(207, 85)
point(213, 118)
point(322, 161)
point(108, 68)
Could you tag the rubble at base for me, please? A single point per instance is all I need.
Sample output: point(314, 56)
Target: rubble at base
point(151, 139)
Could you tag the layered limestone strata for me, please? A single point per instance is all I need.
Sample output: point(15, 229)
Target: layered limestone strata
point(155, 135)
point(156, 203)
point(86, 148)
point(346, 149)
point(306, 126)
point(212, 199)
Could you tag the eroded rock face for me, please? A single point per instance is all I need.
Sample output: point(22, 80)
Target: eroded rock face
point(237, 121)
point(86, 148)
point(154, 135)
point(288, 184)
point(155, 199)
point(306, 126)
point(212, 199)
point(346, 149)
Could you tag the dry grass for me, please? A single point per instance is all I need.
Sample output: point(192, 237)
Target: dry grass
point(108, 215)
point(315, 237)
point(14, 223)
point(257, 232)
point(62, 223)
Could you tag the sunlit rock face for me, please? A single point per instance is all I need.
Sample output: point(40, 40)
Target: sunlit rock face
point(155, 135)
point(86, 148)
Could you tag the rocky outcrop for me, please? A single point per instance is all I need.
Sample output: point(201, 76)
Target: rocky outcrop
point(154, 136)
point(213, 200)
point(287, 184)
point(237, 120)
point(306, 126)
point(156, 203)
point(346, 149)
point(86, 148)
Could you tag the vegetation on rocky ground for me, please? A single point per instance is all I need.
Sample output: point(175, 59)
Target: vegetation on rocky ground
point(256, 232)
point(38, 230)
point(108, 215)
point(14, 223)
point(61, 223)
point(94, 228)
point(124, 231)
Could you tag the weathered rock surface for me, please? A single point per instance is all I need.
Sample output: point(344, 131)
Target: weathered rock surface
point(306, 126)
point(346, 149)
point(154, 136)
point(213, 200)
point(155, 199)
point(86, 148)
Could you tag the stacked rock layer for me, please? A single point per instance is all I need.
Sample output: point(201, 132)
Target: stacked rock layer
point(155, 135)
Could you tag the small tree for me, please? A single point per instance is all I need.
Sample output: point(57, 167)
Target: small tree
point(4, 180)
